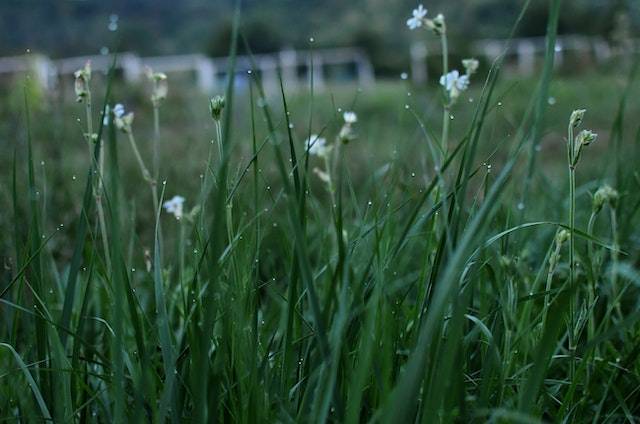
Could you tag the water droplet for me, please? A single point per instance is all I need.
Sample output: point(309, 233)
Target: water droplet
point(404, 76)
point(113, 22)
point(73, 177)
point(104, 50)
point(552, 101)
point(499, 103)
point(312, 40)
point(406, 107)
point(520, 206)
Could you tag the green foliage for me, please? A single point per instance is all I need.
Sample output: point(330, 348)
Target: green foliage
point(392, 278)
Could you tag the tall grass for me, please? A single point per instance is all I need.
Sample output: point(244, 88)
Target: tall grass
point(288, 290)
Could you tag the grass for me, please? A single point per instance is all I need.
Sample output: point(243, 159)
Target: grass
point(393, 278)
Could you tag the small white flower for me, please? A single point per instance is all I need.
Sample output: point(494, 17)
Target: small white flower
point(417, 20)
point(174, 206)
point(350, 117)
point(318, 146)
point(462, 83)
point(118, 110)
point(454, 83)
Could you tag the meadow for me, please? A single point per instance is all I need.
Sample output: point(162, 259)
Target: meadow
point(464, 251)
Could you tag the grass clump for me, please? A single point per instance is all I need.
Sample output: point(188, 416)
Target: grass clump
point(295, 282)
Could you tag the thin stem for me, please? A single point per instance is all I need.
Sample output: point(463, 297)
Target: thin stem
point(614, 258)
point(591, 327)
point(219, 137)
point(553, 264)
point(447, 108)
point(572, 211)
point(156, 142)
point(145, 172)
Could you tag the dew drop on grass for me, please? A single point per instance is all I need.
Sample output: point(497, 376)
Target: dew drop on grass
point(369, 203)
point(404, 76)
point(520, 206)
point(73, 177)
point(312, 40)
point(104, 51)
point(290, 126)
point(499, 103)
point(406, 107)
point(551, 101)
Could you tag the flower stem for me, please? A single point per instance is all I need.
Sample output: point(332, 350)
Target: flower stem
point(145, 172)
point(156, 142)
point(446, 113)
point(572, 212)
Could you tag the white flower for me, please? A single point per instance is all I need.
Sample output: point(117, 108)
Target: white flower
point(118, 110)
point(318, 146)
point(122, 120)
point(417, 20)
point(454, 83)
point(174, 206)
point(350, 117)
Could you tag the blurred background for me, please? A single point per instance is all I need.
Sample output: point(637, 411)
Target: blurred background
point(365, 59)
point(61, 28)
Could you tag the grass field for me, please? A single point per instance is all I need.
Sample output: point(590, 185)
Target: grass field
point(445, 256)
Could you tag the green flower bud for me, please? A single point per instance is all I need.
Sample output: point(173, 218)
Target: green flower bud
point(82, 79)
point(216, 105)
point(604, 194)
point(576, 117)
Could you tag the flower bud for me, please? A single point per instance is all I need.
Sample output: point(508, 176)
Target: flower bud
point(123, 122)
point(586, 137)
point(437, 24)
point(576, 117)
point(160, 86)
point(562, 236)
point(604, 194)
point(82, 78)
point(471, 65)
point(216, 105)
